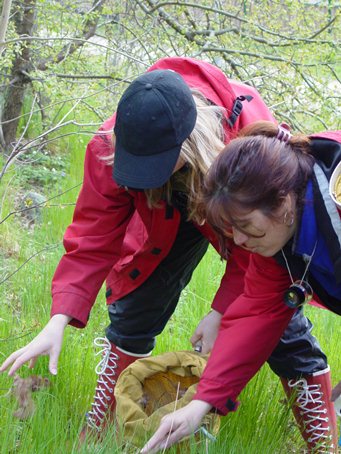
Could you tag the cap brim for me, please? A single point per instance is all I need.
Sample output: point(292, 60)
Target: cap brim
point(144, 172)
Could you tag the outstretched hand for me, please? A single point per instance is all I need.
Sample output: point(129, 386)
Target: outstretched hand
point(207, 331)
point(176, 426)
point(47, 342)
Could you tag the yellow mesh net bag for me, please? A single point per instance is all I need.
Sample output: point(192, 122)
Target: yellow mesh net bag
point(153, 387)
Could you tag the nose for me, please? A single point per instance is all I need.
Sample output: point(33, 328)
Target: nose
point(239, 237)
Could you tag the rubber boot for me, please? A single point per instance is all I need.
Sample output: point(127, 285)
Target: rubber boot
point(114, 361)
point(314, 412)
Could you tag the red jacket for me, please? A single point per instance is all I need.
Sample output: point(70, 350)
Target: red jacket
point(115, 236)
point(249, 332)
point(253, 324)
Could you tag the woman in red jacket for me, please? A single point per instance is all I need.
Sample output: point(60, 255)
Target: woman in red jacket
point(139, 228)
point(269, 191)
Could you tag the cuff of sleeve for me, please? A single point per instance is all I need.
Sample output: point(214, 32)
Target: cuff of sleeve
point(224, 298)
point(214, 397)
point(218, 305)
point(74, 306)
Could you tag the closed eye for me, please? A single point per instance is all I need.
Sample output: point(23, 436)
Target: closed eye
point(249, 230)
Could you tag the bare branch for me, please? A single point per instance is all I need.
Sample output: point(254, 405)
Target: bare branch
point(10, 338)
point(39, 204)
point(95, 93)
point(6, 8)
point(48, 248)
point(79, 40)
point(89, 29)
point(90, 76)
point(334, 73)
point(264, 57)
point(205, 46)
point(19, 151)
point(297, 41)
point(158, 6)
point(16, 149)
point(328, 24)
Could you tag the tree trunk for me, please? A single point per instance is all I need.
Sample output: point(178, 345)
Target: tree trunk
point(14, 95)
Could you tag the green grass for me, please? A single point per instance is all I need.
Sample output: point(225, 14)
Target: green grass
point(262, 424)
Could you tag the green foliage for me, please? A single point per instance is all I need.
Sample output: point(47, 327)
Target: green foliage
point(42, 169)
point(284, 48)
point(261, 424)
point(289, 50)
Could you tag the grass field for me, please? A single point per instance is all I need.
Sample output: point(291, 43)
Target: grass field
point(262, 424)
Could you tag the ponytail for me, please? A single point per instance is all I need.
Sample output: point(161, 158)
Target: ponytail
point(299, 142)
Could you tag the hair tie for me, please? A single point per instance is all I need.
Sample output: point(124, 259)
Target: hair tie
point(283, 134)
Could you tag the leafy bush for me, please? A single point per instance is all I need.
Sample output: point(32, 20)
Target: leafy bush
point(41, 168)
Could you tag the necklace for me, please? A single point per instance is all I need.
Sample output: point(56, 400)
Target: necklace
point(299, 292)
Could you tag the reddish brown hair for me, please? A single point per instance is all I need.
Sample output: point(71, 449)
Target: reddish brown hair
point(255, 171)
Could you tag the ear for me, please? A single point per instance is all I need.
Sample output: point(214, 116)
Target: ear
point(288, 203)
point(288, 209)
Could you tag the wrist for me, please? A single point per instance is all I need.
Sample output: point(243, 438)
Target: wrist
point(60, 319)
point(200, 407)
point(215, 314)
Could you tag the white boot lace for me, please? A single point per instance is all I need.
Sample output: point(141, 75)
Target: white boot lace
point(310, 401)
point(105, 369)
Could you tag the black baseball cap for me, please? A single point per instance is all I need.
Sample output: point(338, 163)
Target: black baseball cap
point(155, 115)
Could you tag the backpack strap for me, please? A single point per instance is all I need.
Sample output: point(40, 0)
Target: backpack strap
point(237, 109)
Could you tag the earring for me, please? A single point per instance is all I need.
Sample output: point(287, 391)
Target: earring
point(288, 218)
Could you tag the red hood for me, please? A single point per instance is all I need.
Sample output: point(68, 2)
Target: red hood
point(208, 79)
point(215, 86)
point(331, 135)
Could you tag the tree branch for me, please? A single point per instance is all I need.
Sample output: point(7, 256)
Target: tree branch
point(48, 248)
point(81, 40)
point(39, 204)
point(72, 76)
point(6, 8)
point(156, 6)
point(89, 29)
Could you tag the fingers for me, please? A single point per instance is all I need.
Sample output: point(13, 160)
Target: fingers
point(32, 362)
point(170, 432)
point(53, 363)
point(159, 439)
point(173, 438)
point(24, 355)
point(195, 338)
point(11, 359)
point(27, 354)
point(47, 342)
point(19, 361)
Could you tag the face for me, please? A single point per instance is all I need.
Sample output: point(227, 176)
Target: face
point(260, 234)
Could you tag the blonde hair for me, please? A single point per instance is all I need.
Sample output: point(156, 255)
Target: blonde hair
point(198, 153)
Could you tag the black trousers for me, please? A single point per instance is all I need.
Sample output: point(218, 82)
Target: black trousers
point(137, 318)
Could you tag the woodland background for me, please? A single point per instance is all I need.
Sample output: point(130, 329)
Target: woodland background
point(63, 66)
